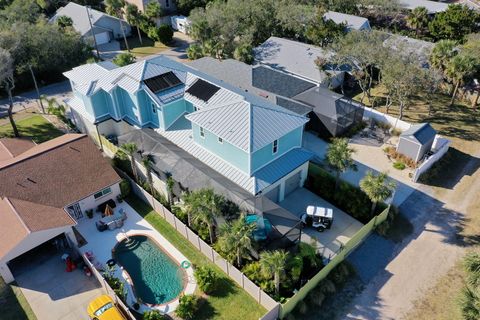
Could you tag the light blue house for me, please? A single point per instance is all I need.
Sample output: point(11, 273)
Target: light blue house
point(247, 139)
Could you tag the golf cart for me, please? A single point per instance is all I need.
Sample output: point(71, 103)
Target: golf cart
point(319, 218)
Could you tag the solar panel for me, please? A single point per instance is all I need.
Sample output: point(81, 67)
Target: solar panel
point(203, 90)
point(162, 82)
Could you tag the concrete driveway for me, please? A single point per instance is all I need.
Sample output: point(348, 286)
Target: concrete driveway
point(54, 294)
point(330, 241)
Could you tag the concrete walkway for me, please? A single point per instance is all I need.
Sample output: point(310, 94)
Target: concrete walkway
point(54, 294)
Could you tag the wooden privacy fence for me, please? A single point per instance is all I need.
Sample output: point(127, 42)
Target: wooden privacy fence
point(358, 238)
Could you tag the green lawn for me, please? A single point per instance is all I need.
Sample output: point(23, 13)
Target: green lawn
point(35, 126)
point(147, 48)
point(229, 301)
point(13, 305)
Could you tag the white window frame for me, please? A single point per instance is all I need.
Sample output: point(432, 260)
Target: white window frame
point(275, 147)
point(103, 192)
point(202, 133)
point(220, 140)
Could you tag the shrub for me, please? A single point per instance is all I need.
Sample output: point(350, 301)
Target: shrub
point(316, 297)
point(163, 33)
point(187, 307)
point(302, 307)
point(207, 278)
point(399, 165)
point(125, 188)
point(124, 59)
point(180, 214)
point(153, 315)
point(327, 286)
point(195, 51)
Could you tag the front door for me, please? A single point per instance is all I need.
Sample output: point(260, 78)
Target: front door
point(75, 211)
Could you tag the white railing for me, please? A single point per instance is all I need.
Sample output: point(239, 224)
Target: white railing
point(440, 147)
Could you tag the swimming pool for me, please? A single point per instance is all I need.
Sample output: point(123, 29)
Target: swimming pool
point(157, 279)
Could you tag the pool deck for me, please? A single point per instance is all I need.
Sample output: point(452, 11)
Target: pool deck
point(102, 243)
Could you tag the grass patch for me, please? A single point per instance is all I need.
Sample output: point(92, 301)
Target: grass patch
point(227, 302)
point(13, 305)
point(458, 121)
point(147, 48)
point(35, 126)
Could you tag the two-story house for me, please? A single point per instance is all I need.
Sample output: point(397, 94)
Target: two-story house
point(247, 139)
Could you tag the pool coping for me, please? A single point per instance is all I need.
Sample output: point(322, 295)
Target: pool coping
point(129, 278)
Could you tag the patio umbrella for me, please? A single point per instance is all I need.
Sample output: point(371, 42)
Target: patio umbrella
point(108, 211)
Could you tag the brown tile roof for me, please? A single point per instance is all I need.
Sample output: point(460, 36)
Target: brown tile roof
point(12, 147)
point(57, 172)
point(12, 229)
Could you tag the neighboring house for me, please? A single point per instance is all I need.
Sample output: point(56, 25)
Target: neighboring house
point(250, 141)
point(411, 48)
point(433, 7)
point(299, 59)
point(45, 189)
point(105, 28)
point(330, 114)
point(168, 6)
point(417, 141)
point(352, 22)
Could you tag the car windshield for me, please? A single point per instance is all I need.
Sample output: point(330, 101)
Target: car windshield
point(100, 311)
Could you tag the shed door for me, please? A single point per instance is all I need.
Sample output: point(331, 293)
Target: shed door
point(273, 194)
point(102, 38)
point(292, 183)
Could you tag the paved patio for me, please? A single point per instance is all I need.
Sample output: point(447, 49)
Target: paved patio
point(54, 294)
point(102, 243)
point(330, 241)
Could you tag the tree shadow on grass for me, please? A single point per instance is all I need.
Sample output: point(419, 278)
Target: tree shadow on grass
point(205, 311)
point(224, 288)
point(38, 132)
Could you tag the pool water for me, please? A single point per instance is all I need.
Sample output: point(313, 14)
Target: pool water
point(156, 278)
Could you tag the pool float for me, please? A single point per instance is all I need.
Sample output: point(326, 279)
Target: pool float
point(185, 264)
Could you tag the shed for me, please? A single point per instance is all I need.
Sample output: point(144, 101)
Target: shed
point(332, 114)
point(416, 141)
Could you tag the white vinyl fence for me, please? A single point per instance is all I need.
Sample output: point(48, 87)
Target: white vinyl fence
point(440, 147)
point(236, 275)
point(108, 289)
point(370, 113)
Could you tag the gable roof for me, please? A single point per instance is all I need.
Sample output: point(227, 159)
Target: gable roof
point(245, 125)
point(352, 22)
point(78, 14)
point(293, 57)
point(278, 82)
point(12, 229)
point(420, 133)
point(431, 6)
point(12, 147)
point(57, 173)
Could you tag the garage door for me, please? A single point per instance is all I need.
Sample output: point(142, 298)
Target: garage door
point(273, 194)
point(292, 183)
point(102, 38)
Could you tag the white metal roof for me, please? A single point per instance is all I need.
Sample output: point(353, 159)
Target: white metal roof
point(431, 6)
point(352, 22)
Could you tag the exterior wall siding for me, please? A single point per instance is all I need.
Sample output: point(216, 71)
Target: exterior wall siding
point(265, 155)
point(172, 111)
point(91, 203)
point(228, 152)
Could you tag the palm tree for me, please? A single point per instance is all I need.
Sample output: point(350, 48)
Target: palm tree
point(6, 79)
point(133, 17)
point(115, 8)
point(203, 206)
point(170, 183)
point(339, 157)
point(130, 149)
point(273, 262)
point(377, 187)
point(418, 19)
point(441, 54)
point(194, 51)
point(64, 22)
point(148, 161)
point(235, 240)
point(458, 70)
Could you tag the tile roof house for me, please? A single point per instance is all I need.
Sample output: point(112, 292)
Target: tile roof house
point(46, 188)
point(105, 27)
point(236, 133)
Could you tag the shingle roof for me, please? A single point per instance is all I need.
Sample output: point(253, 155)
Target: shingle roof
point(431, 6)
point(420, 133)
point(57, 172)
point(78, 14)
point(352, 22)
point(246, 125)
point(12, 147)
point(410, 48)
point(292, 57)
point(12, 230)
point(278, 82)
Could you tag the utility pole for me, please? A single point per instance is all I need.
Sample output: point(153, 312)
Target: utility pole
point(93, 34)
point(36, 88)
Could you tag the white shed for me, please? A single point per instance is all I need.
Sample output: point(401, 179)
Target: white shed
point(180, 23)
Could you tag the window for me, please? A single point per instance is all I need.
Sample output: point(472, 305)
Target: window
point(102, 193)
point(220, 140)
point(195, 108)
point(167, 3)
point(202, 132)
point(154, 108)
point(275, 146)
